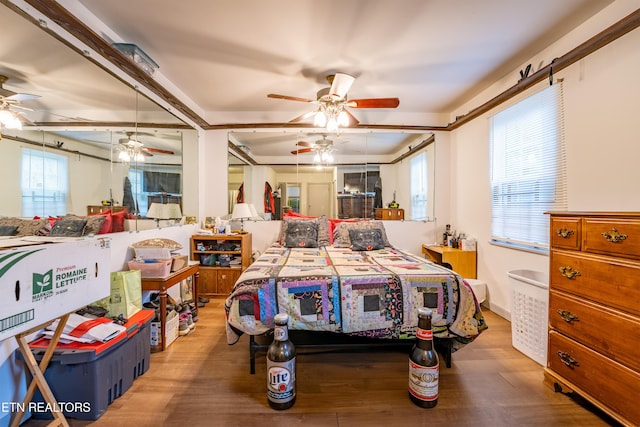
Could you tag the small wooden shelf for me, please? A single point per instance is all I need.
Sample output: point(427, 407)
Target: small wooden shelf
point(463, 262)
point(216, 280)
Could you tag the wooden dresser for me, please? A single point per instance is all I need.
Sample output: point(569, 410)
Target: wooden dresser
point(594, 310)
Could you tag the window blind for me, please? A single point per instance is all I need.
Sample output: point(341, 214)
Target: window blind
point(528, 168)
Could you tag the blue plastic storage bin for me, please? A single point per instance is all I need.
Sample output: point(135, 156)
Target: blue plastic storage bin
point(88, 381)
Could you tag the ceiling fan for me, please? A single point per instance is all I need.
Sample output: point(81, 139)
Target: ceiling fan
point(132, 149)
point(333, 103)
point(323, 148)
point(9, 100)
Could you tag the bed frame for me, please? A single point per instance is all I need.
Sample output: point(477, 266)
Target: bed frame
point(332, 342)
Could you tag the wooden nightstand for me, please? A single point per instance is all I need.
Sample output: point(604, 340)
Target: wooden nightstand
point(463, 262)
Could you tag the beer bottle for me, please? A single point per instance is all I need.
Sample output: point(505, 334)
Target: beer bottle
point(281, 366)
point(424, 370)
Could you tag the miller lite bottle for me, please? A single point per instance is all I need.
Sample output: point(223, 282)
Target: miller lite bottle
point(281, 366)
point(424, 369)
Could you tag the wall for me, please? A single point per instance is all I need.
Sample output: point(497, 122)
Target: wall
point(602, 100)
point(12, 374)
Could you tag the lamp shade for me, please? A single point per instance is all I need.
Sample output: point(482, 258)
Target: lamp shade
point(164, 211)
point(241, 211)
point(254, 212)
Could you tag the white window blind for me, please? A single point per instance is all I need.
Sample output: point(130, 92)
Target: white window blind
point(419, 186)
point(528, 168)
point(44, 183)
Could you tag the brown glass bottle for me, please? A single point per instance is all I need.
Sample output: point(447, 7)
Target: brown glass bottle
point(281, 366)
point(424, 368)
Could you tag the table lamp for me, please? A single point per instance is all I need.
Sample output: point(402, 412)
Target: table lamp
point(241, 211)
point(164, 211)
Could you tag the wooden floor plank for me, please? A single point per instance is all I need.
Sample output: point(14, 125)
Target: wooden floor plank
point(200, 380)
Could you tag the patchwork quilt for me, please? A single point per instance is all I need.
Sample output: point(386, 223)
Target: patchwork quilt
point(367, 293)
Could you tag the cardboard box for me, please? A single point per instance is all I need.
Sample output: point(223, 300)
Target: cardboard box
point(43, 282)
point(179, 262)
point(171, 331)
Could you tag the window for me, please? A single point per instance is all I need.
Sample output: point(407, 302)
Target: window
point(527, 169)
point(419, 186)
point(44, 183)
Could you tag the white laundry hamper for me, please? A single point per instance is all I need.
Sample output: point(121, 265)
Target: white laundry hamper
point(530, 313)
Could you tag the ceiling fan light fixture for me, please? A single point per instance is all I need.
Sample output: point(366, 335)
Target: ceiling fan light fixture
point(316, 158)
point(10, 120)
point(320, 119)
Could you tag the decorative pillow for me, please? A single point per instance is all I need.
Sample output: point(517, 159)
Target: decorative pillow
point(118, 221)
point(8, 230)
point(157, 243)
point(68, 227)
point(106, 224)
point(94, 223)
point(366, 239)
point(26, 227)
point(322, 222)
point(341, 237)
point(302, 235)
point(333, 223)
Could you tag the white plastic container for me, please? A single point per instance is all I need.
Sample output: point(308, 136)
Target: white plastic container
point(530, 313)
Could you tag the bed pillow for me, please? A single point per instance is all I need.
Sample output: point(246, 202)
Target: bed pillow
point(8, 230)
point(366, 239)
point(68, 227)
point(323, 228)
point(27, 227)
point(341, 237)
point(302, 235)
point(94, 223)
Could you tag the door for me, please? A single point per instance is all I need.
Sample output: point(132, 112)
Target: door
point(319, 196)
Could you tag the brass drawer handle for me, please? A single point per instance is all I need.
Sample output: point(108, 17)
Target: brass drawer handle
point(569, 272)
point(567, 359)
point(564, 232)
point(614, 236)
point(568, 316)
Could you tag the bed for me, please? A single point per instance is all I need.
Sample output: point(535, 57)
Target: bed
point(345, 278)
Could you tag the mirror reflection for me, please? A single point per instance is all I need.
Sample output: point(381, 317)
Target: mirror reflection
point(383, 175)
point(84, 172)
point(69, 158)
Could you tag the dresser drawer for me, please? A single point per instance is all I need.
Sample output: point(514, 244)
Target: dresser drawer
point(612, 237)
point(607, 331)
point(608, 281)
point(598, 377)
point(566, 233)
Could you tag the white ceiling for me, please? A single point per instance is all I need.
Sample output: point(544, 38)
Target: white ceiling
point(225, 56)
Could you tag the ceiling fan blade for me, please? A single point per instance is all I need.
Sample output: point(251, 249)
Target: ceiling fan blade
point(303, 117)
point(341, 84)
point(352, 119)
point(19, 97)
point(374, 103)
point(158, 150)
point(304, 144)
point(303, 150)
point(288, 98)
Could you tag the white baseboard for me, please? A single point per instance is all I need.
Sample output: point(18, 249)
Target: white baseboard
point(499, 311)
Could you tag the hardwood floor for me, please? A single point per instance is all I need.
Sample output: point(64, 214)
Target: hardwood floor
point(202, 381)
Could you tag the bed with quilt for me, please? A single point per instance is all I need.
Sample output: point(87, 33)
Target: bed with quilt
point(349, 280)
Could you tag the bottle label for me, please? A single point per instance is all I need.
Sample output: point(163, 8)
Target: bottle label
point(424, 334)
point(423, 381)
point(281, 380)
point(281, 333)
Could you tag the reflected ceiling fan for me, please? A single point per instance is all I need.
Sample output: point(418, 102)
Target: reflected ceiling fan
point(8, 101)
point(323, 148)
point(332, 103)
point(132, 149)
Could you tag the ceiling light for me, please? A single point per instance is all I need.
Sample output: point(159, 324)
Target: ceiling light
point(137, 55)
point(9, 119)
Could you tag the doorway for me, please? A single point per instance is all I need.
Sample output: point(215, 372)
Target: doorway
point(319, 199)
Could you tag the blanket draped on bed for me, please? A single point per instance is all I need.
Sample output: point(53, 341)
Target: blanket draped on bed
point(366, 293)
